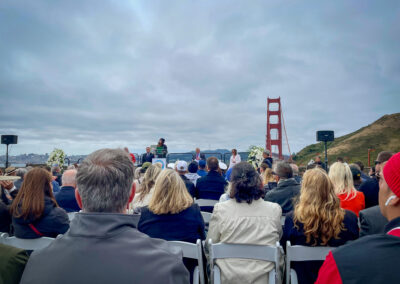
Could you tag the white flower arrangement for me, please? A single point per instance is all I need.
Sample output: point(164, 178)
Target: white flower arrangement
point(56, 158)
point(255, 157)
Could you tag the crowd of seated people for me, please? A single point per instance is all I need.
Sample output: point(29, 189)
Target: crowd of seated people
point(320, 209)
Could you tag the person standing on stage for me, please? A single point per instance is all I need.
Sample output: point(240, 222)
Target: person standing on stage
point(162, 149)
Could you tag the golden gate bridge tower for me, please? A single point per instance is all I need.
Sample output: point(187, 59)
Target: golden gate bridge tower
point(275, 122)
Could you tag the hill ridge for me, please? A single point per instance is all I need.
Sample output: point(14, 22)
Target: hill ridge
point(381, 135)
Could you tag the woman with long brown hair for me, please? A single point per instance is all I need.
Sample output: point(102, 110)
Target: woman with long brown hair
point(317, 220)
point(34, 210)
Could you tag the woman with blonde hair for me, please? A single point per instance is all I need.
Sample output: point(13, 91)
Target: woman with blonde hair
point(145, 192)
point(342, 179)
point(35, 212)
point(269, 181)
point(317, 220)
point(172, 215)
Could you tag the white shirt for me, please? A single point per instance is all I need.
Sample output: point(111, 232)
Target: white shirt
point(234, 160)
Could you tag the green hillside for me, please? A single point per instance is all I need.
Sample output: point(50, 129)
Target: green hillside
point(383, 134)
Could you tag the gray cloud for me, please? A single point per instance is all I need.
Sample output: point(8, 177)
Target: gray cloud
point(81, 76)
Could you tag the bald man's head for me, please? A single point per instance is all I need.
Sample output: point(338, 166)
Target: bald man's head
point(69, 178)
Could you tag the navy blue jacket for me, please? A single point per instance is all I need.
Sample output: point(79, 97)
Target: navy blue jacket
point(370, 188)
point(147, 157)
point(189, 185)
point(186, 226)
point(211, 186)
point(54, 221)
point(66, 199)
point(307, 271)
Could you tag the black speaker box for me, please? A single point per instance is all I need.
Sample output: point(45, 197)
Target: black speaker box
point(9, 139)
point(325, 135)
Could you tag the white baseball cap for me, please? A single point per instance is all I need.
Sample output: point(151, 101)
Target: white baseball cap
point(222, 166)
point(182, 166)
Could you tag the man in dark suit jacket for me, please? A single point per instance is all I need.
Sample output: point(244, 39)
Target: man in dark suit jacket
point(66, 196)
point(372, 221)
point(148, 156)
point(211, 186)
point(288, 188)
point(198, 156)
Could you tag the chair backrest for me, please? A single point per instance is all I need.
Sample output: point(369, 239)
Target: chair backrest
point(303, 253)
point(71, 215)
point(256, 252)
point(205, 202)
point(26, 244)
point(206, 216)
point(193, 251)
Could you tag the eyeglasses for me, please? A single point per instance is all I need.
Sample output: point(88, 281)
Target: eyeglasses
point(377, 163)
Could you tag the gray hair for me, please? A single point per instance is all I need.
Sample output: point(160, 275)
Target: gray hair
point(69, 177)
point(21, 172)
point(283, 170)
point(266, 152)
point(104, 181)
point(295, 169)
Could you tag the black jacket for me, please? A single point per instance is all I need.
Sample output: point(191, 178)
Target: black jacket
point(147, 158)
point(202, 156)
point(189, 185)
point(54, 221)
point(105, 248)
point(284, 194)
point(5, 218)
point(372, 221)
point(307, 271)
point(372, 259)
point(370, 188)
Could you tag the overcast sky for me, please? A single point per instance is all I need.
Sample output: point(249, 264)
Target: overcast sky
point(82, 75)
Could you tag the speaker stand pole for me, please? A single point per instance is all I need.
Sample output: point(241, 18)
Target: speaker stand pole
point(7, 157)
point(326, 156)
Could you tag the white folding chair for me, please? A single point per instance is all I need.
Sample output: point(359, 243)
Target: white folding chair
point(257, 252)
point(71, 215)
point(302, 253)
point(193, 251)
point(26, 244)
point(206, 202)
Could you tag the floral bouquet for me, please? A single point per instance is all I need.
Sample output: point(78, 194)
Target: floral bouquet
point(56, 157)
point(255, 157)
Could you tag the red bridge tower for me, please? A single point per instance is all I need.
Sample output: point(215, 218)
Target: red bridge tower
point(278, 126)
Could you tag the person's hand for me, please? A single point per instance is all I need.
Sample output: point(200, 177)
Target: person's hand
point(7, 184)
